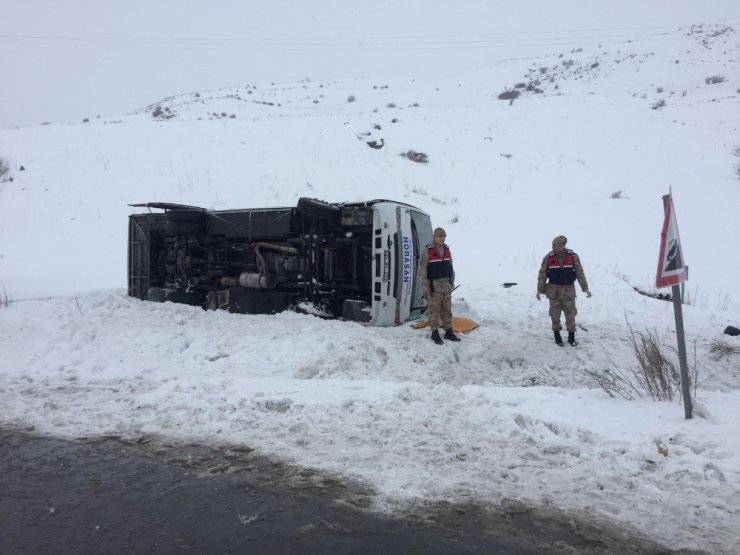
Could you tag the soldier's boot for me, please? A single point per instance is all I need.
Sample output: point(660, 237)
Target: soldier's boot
point(572, 338)
point(436, 338)
point(558, 339)
point(449, 334)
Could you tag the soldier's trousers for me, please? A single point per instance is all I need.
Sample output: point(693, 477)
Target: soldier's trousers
point(562, 300)
point(440, 308)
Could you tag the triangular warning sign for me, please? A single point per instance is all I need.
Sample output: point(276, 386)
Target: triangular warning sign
point(671, 267)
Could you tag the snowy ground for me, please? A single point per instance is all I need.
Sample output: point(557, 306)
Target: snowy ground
point(502, 415)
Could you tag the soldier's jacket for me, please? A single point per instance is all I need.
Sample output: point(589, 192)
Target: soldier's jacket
point(438, 284)
point(555, 291)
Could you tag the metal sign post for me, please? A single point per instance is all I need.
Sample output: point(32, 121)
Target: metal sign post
point(672, 271)
point(685, 385)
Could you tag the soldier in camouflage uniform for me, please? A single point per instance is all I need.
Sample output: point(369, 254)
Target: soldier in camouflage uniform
point(438, 280)
point(560, 269)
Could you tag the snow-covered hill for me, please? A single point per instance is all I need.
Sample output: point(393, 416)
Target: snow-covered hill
point(588, 151)
point(510, 173)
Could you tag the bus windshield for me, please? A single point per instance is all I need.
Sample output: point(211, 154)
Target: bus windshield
point(421, 231)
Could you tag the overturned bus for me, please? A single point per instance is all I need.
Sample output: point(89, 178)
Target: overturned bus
point(356, 261)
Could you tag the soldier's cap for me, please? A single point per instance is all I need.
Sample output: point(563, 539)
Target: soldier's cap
point(560, 240)
point(440, 232)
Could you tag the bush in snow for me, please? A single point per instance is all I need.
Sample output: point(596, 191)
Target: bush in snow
point(509, 95)
point(658, 105)
point(5, 170)
point(5, 301)
point(714, 79)
point(414, 156)
point(351, 98)
point(615, 383)
point(160, 113)
point(617, 194)
point(657, 373)
point(720, 349)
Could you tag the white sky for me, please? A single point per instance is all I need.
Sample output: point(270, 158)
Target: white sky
point(504, 414)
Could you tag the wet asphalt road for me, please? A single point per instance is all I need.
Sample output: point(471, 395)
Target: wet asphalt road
point(109, 496)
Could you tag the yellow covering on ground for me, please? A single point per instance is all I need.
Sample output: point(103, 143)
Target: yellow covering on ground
point(459, 325)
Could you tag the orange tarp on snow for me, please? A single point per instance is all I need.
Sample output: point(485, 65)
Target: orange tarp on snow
point(459, 325)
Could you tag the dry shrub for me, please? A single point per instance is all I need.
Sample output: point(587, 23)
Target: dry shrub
point(657, 373)
point(414, 156)
point(720, 349)
point(4, 169)
point(615, 383)
point(5, 301)
point(509, 95)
